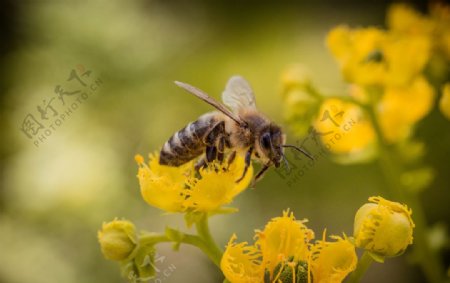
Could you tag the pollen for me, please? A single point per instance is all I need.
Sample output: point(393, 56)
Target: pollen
point(139, 159)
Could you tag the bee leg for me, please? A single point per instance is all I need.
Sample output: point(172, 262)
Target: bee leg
point(211, 153)
point(214, 134)
point(213, 139)
point(231, 158)
point(259, 175)
point(248, 157)
point(200, 164)
point(221, 148)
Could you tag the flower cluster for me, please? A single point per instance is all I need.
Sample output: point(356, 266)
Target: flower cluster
point(392, 75)
point(284, 252)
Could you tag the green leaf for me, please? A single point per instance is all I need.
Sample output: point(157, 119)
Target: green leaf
point(223, 210)
point(174, 235)
point(145, 262)
point(417, 180)
point(192, 217)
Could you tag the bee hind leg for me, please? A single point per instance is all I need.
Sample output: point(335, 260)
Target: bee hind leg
point(215, 142)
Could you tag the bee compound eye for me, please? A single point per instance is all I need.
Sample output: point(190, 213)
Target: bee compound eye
point(265, 141)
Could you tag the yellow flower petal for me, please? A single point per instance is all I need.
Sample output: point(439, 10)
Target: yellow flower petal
point(162, 186)
point(217, 185)
point(406, 57)
point(383, 227)
point(333, 261)
point(402, 18)
point(444, 103)
point(241, 263)
point(401, 107)
point(282, 238)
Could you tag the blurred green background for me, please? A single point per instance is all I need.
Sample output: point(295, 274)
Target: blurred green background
point(54, 196)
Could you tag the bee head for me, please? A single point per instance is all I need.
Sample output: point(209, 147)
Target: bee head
point(269, 145)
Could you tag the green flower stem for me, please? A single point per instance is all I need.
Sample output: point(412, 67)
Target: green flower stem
point(193, 240)
point(363, 264)
point(214, 252)
point(426, 257)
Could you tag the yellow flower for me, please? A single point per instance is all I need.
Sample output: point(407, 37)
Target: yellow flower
point(401, 107)
point(283, 237)
point(180, 189)
point(280, 253)
point(405, 57)
point(383, 228)
point(333, 261)
point(117, 239)
point(359, 53)
point(344, 128)
point(241, 263)
point(371, 56)
point(402, 18)
point(440, 15)
point(444, 103)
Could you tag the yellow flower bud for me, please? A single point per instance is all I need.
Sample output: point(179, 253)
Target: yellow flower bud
point(383, 228)
point(117, 239)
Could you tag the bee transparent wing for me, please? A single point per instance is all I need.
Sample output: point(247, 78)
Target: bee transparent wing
point(238, 94)
point(211, 101)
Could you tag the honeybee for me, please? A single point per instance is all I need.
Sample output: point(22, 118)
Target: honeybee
point(243, 129)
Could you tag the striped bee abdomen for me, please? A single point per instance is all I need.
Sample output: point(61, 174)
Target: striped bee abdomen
point(187, 143)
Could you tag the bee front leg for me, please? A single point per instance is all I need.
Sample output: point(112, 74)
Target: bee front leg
point(248, 158)
point(260, 175)
point(231, 158)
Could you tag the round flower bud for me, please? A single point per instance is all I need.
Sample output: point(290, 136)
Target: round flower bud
point(117, 239)
point(383, 228)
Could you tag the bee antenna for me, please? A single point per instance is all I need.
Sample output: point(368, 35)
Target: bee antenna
point(307, 154)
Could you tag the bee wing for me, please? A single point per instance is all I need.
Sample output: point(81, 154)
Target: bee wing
point(238, 94)
point(211, 101)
